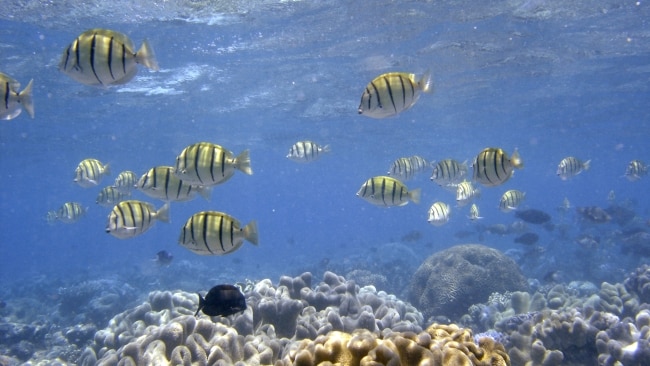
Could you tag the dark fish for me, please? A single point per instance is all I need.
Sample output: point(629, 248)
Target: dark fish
point(533, 216)
point(164, 258)
point(223, 300)
point(594, 214)
point(527, 239)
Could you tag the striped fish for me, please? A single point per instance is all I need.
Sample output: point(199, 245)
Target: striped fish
point(407, 168)
point(465, 193)
point(209, 164)
point(439, 214)
point(474, 212)
point(571, 166)
point(392, 93)
point(68, 213)
point(635, 170)
point(125, 181)
point(105, 57)
point(402, 168)
point(216, 233)
point(90, 172)
point(12, 98)
point(493, 167)
point(388, 192)
point(306, 151)
point(449, 172)
point(110, 196)
point(132, 217)
point(161, 183)
point(511, 200)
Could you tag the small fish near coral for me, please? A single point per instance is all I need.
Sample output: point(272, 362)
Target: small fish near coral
point(222, 300)
point(163, 258)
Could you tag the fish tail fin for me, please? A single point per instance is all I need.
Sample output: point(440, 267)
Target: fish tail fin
point(516, 160)
point(250, 232)
point(145, 56)
point(106, 169)
point(205, 192)
point(586, 165)
point(426, 82)
point(201, 303)
point(326, 148)
point(243, 162)
point(163, 213)
point(25, 98)
point(415, 194)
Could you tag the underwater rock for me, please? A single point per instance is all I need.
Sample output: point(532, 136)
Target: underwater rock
point(448, 282)
point(638, 282)
point(22, 350)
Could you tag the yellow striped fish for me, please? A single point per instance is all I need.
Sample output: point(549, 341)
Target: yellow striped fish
point(511, 200)
point(465, 193)
point(306, 151)
point(207, 164)
point(216, 233)
point(12, 98)
point(161, 183)
point(635, 170)
point(105, 57)
point(388, 192)
point(132, 218)
point(90, 172)
point(68, 213)
point(571, 166)
point(474, 212)
point(110, 196)
point(391, 93)
point(125, 181)
point(439, 214)
point(493, 167)
point(449, 172)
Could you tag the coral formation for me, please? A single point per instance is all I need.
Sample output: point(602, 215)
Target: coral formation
point(448, 282)
point(164, 328)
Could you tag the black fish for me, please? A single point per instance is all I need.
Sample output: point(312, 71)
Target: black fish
point(533, 216)
point(164, 258)
point(594, 214)
point(527, 239)
point(222, 300)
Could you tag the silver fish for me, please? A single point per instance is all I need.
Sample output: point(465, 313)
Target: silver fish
point(68, 213)
point(439, 214)
point(306, 151)
point(571, 166)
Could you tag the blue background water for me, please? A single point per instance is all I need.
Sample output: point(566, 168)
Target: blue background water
point(549, 78)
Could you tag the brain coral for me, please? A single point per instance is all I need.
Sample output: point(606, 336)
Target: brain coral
point(448, 282)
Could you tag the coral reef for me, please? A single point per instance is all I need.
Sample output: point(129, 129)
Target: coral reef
point(438, 345)
point(448, 282)
point(164, 328)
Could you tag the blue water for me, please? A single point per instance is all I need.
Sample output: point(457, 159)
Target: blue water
point(550, 78)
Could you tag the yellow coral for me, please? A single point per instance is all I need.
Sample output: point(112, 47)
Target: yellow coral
point(446, 345)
